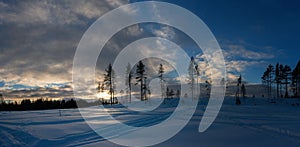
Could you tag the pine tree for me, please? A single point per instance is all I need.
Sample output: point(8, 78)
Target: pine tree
point(1, 98)
point(100, 87)
point(270, 80)
point(296, 79)
point(178, 93)
point(277, 79)
point(286, 76)
point(281, 77)
point(171, 94)
point(160, 75)
point(243, 89)
point(167, 92)
point(191, 71)
point(264, 80)
point(109, 82)
point(197, 77)
point(237, 94)
point(128, 80)
point(141, 77)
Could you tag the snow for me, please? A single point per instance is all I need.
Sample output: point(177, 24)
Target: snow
point(257, 122)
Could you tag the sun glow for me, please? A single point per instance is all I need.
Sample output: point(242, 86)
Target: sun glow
point(103, 95)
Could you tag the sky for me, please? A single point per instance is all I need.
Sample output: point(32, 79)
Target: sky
point(38, 39)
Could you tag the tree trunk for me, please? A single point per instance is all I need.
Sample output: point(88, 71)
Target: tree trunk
point(286, 88)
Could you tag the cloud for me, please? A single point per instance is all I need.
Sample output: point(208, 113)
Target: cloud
point(240, 51)
point(165, 32)
point(239, 66)
point(39, 38)
point(55, 12)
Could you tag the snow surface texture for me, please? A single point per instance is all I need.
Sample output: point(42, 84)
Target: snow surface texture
point(257, 122)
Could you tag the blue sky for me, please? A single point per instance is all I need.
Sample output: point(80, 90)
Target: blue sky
point(38, 39)
point(265, 26)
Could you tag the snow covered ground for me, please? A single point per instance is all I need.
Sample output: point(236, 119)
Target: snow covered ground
point(257, 122)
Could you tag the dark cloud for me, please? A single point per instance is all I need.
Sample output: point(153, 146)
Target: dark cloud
point(39, 38)
point(38, 42)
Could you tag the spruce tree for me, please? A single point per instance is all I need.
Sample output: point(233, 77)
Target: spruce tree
point(141, 77)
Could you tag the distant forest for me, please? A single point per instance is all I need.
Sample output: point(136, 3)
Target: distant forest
point(43, 104)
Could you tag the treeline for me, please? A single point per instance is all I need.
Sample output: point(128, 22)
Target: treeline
point(283, 78)
point(43, 104)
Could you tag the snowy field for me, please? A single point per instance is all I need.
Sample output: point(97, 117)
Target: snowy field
point(257, 122)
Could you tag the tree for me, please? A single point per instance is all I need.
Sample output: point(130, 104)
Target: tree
point(109, 82)
point(100, 87)
point(1, 98)
point(160, 75)
point(141, 77)
point(207, 87)
point(171, 94)
point(296, 79)
point(237, 94)
point(277, 78)
point(264, 79)
point(167, 92)
point(286, 76)
point(243, 89)
point(267, 79)
point(197, 77)
point(178, 93)
point(191, 71)
point(128, 80)
point(280, 79)
point(270, 71)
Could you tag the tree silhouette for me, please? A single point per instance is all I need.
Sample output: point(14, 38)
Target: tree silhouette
point(286, 73)
point(207, 86)
point(270, 71)
point(167, 92)
point(170, 93)
point(277, 78)
point(128, 80)
point(267, 79)
point(192, 71)
point(43, 104)
point(296, 79)
point(280, 79)
point(1, 98)
point(141, 77)
point(243, 89)
point(109, 82)
point(237, 94)
point(100, 88)
point(160, 75)
point(197, 77)
point(178, 93)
